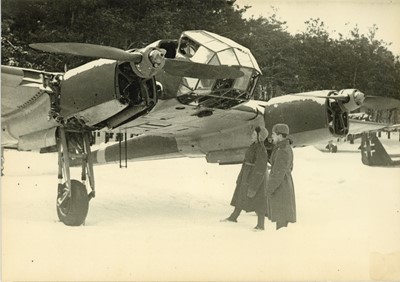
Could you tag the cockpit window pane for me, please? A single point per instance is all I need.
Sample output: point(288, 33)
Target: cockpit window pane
point(255, 64)
point(209, 41)
point(242, 82)
point(187, 47)
point(216, 45)
point(227, 57)
point(190, 82)
point(214, 61)
point(199, 36)
point(203, 55)
point(244, 58)
point(183, 90)
point(205, 83)
point(227, 41)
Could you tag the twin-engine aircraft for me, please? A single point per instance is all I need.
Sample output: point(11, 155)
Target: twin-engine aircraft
point(188, 97)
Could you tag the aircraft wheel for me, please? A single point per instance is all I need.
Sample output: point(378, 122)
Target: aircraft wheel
point(73, 210)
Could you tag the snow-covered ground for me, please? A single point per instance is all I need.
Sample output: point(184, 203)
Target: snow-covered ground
point(160, 220)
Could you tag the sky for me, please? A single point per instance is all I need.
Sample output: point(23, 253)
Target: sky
point(339, 16)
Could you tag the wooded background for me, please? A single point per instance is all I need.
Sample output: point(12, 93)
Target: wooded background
point(306, 61)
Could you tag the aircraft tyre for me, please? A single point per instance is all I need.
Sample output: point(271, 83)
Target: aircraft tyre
point(73, 211)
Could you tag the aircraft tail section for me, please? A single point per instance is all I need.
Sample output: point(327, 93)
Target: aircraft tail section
point(373, 153)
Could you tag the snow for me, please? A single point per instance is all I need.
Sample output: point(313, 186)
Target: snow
point(160, 220)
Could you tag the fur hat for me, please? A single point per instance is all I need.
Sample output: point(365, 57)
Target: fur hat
point(262, 132)
point(281, 128)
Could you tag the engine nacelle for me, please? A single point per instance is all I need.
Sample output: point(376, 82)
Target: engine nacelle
point(310, 117)
point(103, 91)
point(89, 92)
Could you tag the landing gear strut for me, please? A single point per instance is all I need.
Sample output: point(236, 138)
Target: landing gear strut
point(72, 197)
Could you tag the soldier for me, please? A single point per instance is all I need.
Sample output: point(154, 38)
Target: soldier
point(332, 147)
point(250, 192)
point(281, 197)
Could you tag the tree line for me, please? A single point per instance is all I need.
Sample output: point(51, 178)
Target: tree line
point(306, 61)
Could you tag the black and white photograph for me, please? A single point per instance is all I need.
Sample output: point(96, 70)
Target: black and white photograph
point(200, 140)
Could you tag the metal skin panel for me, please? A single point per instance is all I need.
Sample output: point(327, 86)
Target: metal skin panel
point(311, 137)
point(169, 83)
point(94, 115)
point(233, 156)
point(300, 115)
point(88, 86)
point(19, 96)
point(232, 137)
point(139, 148)
point(19, 87)
point(7, 140)
point(38, 140)
point(30, 119)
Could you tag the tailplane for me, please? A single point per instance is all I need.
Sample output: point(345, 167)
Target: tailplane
point(373, 153)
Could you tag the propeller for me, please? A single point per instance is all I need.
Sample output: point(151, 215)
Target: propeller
point(88, 50)
point(337, 96)
point(350, 99)
point(175, 67)
point(353, 99)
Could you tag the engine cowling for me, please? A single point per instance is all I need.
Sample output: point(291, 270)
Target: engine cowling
point(310, 117)
point(103, 91)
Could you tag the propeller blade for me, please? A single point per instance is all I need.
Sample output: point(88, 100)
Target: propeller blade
point(88, 50)
point(380, 103)
point(172, 66)
point(202, 71)
point(334, 97)
point(371, 102)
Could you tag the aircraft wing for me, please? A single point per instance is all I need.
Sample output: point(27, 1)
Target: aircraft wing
point(20, 88)
point(222, 136)
point(360, 126)
point(171, 118)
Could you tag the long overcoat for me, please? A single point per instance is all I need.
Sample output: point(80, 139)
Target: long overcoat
point(250, 192)
point(281, 196)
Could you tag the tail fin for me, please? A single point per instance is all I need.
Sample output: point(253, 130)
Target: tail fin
point(372, 151)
